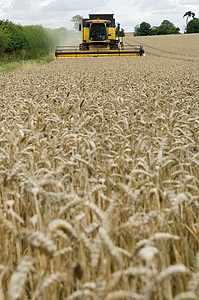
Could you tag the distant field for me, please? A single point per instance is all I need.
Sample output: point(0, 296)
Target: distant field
point(182, 46)
point(99, 176)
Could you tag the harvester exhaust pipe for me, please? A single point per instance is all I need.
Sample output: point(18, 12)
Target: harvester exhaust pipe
point(118, 29)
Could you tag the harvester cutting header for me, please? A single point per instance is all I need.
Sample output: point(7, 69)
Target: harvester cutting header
point(99, 38)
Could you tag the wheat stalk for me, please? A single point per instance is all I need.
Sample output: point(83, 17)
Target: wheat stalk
point(123, 295)
point(84, 294)
point(20, 277)
point(64, 226)
point(99, 175)
point(56, 278)
point(39, 241)
point(170, 271)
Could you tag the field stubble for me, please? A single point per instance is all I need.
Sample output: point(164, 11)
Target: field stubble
point(99, 179)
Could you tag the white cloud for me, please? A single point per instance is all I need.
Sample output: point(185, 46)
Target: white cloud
point(187, 3)
point(73, 5)
point(129, 13)
point(21, 5)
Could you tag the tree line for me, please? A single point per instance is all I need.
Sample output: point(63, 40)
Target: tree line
point(28, 42)
point(167, 27)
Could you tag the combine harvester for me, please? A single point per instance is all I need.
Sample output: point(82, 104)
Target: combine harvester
point(99, 38)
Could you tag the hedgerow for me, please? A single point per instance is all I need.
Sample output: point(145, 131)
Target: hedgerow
point(26, 42)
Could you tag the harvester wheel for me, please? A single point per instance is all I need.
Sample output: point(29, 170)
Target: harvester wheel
point(114, 46)
point(83, 47)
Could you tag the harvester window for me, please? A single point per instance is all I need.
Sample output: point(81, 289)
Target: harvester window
point(98, 32)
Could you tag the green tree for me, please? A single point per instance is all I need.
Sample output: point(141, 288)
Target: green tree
point(188, 14)
point(13, 36)
point(77, 20)
point(25, 42)
point(193, 26)
point(120, 33)
point(4, 40)
point(166, 27)
point(143, 29)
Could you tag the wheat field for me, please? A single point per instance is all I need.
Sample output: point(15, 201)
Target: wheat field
point(99, 176)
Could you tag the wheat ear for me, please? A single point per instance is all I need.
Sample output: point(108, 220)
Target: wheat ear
point(19, 277)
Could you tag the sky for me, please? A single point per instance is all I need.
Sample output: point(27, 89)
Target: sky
point(129, 13)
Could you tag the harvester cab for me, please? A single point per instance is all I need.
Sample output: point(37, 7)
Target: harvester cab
point(99, 32)
point(99, 38)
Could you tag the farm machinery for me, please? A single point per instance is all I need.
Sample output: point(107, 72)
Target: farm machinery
point(99, 38)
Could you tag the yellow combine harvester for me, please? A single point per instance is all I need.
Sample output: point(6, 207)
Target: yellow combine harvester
point(99, 38)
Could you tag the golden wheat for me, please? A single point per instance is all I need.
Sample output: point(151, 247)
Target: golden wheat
point(99, 168)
